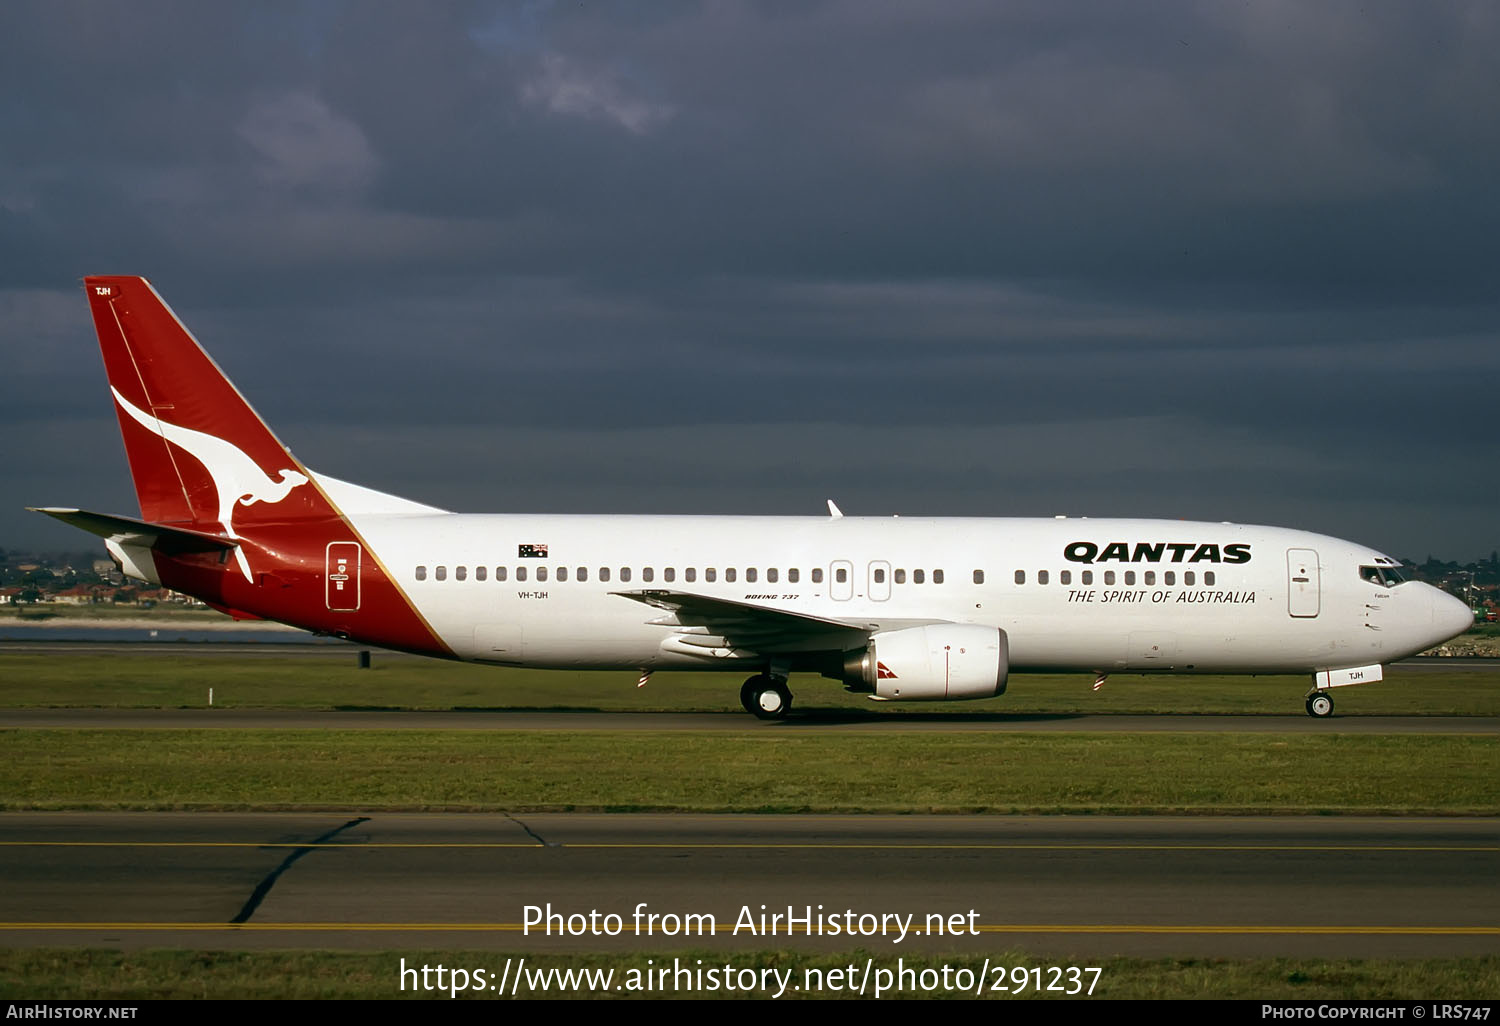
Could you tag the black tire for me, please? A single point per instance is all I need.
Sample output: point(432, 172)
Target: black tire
point(766, 698)
point(748, 691)
point(1320, 705)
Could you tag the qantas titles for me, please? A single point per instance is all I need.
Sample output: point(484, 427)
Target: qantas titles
point(1156, 552)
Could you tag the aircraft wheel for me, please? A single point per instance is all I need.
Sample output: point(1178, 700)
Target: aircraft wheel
point(766, 698)
point(747, 693)
point(1320, 704)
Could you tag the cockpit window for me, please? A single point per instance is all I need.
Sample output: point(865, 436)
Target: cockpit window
point(1385, 576)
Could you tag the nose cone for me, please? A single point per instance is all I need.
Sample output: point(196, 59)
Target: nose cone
point(1450, 616)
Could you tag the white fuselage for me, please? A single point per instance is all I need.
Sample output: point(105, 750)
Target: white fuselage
point(1074, 594)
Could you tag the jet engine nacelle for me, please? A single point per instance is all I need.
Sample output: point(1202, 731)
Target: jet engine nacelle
point(943, 661)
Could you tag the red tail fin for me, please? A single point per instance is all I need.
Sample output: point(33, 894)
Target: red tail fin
point(198, 453)
point(216, 486)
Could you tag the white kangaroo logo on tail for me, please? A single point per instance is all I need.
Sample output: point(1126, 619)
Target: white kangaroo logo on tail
point(237, 478)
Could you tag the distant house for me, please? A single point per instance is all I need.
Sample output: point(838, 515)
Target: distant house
point(79, 595)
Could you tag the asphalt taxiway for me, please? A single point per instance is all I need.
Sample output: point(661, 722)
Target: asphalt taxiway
point(816, 719)
point(1312, 886)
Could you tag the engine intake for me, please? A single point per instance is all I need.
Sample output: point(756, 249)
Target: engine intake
point(935, 663)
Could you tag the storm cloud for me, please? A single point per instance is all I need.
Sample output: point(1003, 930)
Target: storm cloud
point(1157, 259)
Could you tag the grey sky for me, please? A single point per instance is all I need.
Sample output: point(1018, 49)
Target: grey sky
point(1165, 259)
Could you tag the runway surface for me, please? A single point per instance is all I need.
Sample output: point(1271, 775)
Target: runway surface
point(837, 720)
point(1087, 886)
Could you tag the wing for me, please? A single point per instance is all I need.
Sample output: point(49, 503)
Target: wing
point(723, 628)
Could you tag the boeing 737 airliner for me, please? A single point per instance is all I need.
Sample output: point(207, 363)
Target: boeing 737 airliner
point(899, 608)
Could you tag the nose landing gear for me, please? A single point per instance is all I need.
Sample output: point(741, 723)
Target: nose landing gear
point(1320, 704)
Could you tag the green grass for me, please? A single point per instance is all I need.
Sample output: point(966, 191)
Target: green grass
point(93, 974)
point(757, 770)
point(155, 679)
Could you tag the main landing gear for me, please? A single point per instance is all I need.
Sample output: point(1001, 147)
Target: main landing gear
point(766, 697)
point(1320, 704)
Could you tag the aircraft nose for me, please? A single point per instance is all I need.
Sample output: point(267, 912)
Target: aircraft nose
point(1450, 616)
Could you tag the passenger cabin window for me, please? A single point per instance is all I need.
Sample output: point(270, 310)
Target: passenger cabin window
point(460, 573)
point(691, 573)
point(442, 573)
point(1065, 577)
point(710, 575)
point(1189, 578)
point(793, 575)
point(624, 573)
point(1169, 577)
point(1209, 578)
point(648, 574)
point(583, 573)
point(817, 575)
point(562, 573)
point(772, 575)
point(1129, 576)
point(604, 574)
point(937, 577)
point(729, 575)
point(421, 573)
point(1150, 578)
point(1041, 577)
point(879, 576)
point(1109, 577)
point(669, 574)
point(1086, 576)
point(1020, 576)
point(919, 577)
point(900, 576)
point(500, 572)
point(541, 573)
point(978, 576)
point(480, 572)
point(520, 573)
point(841, 575)
point(750, 575)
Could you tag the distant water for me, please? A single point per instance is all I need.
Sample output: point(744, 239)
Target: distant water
point(241, 635)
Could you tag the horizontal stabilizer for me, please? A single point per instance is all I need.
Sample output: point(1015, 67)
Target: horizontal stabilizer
point(130, 531)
